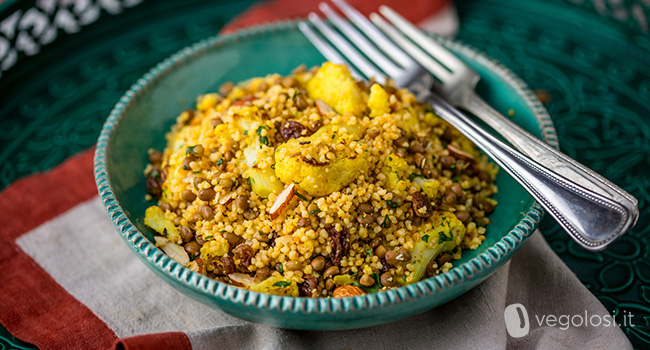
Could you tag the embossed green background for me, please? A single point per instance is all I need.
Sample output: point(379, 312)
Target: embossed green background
point(594, 61)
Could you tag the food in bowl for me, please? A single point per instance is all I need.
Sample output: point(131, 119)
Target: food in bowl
point(317, 185)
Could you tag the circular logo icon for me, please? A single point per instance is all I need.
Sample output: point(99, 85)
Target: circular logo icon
point(517, 323)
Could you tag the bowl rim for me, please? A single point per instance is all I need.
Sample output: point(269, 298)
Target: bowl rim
point(201, 284)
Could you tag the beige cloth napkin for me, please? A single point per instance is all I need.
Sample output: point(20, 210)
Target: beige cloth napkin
point(101, 272)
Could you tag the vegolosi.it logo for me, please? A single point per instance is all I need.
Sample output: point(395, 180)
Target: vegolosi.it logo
point(518, 321)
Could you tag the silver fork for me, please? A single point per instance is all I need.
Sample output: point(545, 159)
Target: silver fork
point(457, 84)
point(592, 219)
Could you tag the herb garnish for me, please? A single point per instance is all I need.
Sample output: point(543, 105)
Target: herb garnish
point(386, 223)
point(425, 238)
point(282, 284)
point(393, 204)
point(443, 238)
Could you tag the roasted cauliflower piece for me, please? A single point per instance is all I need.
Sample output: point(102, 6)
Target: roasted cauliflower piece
point(378, 101)
point(444, 233)
point(155, 218)
point(333, 84)
point(322, 163)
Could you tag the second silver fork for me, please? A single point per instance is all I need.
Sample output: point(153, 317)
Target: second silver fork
point(592, 219)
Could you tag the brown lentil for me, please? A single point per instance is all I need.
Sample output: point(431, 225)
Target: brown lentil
point(206, 212)
point(318, 263)
point(250, 214)
point(188, 196)
point(304, 222)
point(387, 280)
point(186, 234)
point(366, 280)
point(207, 194)
point(242, 202)
point(192, 247)
point(331, 271)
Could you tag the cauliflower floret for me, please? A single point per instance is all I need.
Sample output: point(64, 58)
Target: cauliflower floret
point(155, 218)
point(378, 101)
point(444, 234)
point(317, 165)
point(333, 84)
point(395, 168)
point(214, 248)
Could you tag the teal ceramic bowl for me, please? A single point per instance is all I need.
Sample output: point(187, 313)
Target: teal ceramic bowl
point(145, 113)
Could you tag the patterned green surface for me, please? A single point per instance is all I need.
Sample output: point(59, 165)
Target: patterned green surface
point(596, 71)
point(599, 82)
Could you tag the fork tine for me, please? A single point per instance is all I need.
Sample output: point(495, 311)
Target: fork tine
point(434, 48)
point(387, 46)
point(420, 56)
point(357, 59)
point(362, 43)
point(326, 49)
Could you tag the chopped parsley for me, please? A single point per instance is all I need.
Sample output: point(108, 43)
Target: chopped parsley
point(245, 132)
point(207, 237)
point(282, 284)
point(393, 204)
point(220, 161)
point(453, 166)
point(155, 174)
point(259, 130)
point(368, 251)
point(280, 268)
point(250, 181)
point(443, 238)
point(455, 179)
point(263, 139)
point(301, 196)
point(222, 231)
point(425, 238)
point(314, 211)
point(190, 150)
point(386, 223)
point(414, 176)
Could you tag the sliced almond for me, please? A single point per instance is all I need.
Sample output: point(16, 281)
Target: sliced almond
point(282, 200)
point(243, 279)
point(227, 198)
point(347, 291)
point(160, 241)
point(176, 252)
point(324, 109)
point(458, 153)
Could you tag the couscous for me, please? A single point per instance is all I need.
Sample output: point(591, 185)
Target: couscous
point(317, 185)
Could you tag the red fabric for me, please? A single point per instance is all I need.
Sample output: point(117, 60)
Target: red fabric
point(33, 307)
point(31, 201)
point(161, 341)
point(415, 10)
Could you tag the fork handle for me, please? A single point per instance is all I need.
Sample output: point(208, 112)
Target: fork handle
point(545, 154)
point(592, 219)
